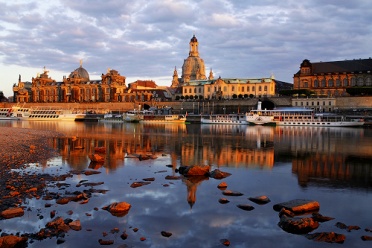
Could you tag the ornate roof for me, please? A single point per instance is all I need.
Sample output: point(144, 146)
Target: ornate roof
point(80, 73)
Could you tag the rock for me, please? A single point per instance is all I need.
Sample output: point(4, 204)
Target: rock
point(75, 225)
point(286, 212)
point(320, 218)
point(222, 185)
point(231, 193)
point(223, 201)
point(366, 238)
point(217, 174)
point(172, 177)
point(124, 236)
point(245, 207)
point(138, 184)
point(60, 241)
point(297, 225)
point(118, 209)
point(105, 242)
point(166, 234)
point(143, 238)
point(12, 212)
point(12, 241)
point(344, 226)
point(194, 170)
point(329, 237)
point(149, 179)
point(261, 200)
point(58, 225)
point(298, 206)
point(91, 172)
point(63, 200)
point(225, 242)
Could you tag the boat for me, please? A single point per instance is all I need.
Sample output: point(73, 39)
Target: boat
point(292, 116)
point(232, 119)
point(163, 118)
point(109, 117)
point(164, 114)
point(47, 114)
point(7, 114)
point(132, 116)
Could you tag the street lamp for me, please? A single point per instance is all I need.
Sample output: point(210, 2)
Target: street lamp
point(224, 110)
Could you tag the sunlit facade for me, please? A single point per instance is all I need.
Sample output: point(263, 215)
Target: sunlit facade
point(332, 78)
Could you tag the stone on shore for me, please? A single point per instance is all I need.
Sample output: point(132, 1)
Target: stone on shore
point(217, 174)
point(96, 158)
point(329, 237)
point(297, 225)
point(261, 200)
point(320, 218)
point(12, 212)
point(12, 241)
point(118, 209)
point(231, 193)
point(222, 185)
point(245, 207)
point(138, 184)
point(194, 170)
point(298, 206)
point(75, 225)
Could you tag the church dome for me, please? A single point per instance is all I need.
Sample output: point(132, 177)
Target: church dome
point(193, 69)
point(80, 73)
point(193, 39)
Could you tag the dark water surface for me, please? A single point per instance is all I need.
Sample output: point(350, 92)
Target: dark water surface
point(330, 165)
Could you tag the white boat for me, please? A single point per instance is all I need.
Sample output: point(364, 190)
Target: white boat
point(109, 117)
point(259, 116)
point(232, 119)
point(47, 114)
point(132, 116)
point(7, 114)
point(151, 116)
point(300, 117)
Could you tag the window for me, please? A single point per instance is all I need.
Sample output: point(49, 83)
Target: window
point(194, 90)
point(233, 88)
point(330, 83)
point(247, 88)
point(353, 81)
point(360, 81)
point(306, 85)
point(265, 88)
point(259, 88)
point(190, 90)
point(243, 89)
point(338, 83)
point(330, 103)
point(199, 90)
point(323, 83)
point(316, 83)
point(185, 91)
point(368, 81)
point(346, 83)
point(253, 88)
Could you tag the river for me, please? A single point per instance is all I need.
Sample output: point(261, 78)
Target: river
point(330, 165)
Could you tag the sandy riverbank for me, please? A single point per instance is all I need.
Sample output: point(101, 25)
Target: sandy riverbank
point(22, 145)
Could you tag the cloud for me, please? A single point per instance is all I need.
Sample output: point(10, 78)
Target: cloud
point(146, 39)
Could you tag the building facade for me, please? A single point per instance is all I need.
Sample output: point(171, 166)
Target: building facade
point(78, 88)
point(332, 78)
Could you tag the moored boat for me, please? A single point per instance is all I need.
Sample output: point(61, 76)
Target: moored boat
point(7, 114)
point(109, 117)
point(47, 114)
point(300, 117)
point(232, 119)
point(132, 116)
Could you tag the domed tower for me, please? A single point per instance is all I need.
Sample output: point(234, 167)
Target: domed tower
point(79, 74)
point(193, 67)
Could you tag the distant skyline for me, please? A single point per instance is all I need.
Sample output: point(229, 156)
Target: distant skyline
point(146, 39)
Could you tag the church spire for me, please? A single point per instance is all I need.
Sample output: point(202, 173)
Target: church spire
point(194, 47)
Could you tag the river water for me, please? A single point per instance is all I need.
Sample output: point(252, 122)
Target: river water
point(330, 165)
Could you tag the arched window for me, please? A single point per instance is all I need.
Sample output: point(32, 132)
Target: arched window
point(360, 81)
point(306, 85)
point(316, 83)
point(265, 87)
point(323, 83)
point(259, 88)
point(353, 81)
point(330, 83)
point(338, 82)
point(368, 81)
point(346, 82)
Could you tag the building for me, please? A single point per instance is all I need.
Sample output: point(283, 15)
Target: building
point(79, 88)
point(332, 78)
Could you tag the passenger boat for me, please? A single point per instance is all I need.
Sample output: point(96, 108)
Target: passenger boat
point(232, 119)
point(109, 117)
point(163, 118)
point(300, 117)
point(132, 116)
point(7, 114)
point(47, 114)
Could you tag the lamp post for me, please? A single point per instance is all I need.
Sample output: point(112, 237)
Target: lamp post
point(224, 110)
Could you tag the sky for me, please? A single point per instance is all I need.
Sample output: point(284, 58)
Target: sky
point(147, 39)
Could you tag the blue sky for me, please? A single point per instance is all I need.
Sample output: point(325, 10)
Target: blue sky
point(146, 39)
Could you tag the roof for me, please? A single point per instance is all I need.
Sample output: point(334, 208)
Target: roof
point(355, 65)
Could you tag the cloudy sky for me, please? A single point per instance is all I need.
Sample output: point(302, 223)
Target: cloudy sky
point(146, 39)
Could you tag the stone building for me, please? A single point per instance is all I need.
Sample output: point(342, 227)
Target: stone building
point(332, 78)
point(79, 88)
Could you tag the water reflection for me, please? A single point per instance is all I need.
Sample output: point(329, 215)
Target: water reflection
point(331, 165)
